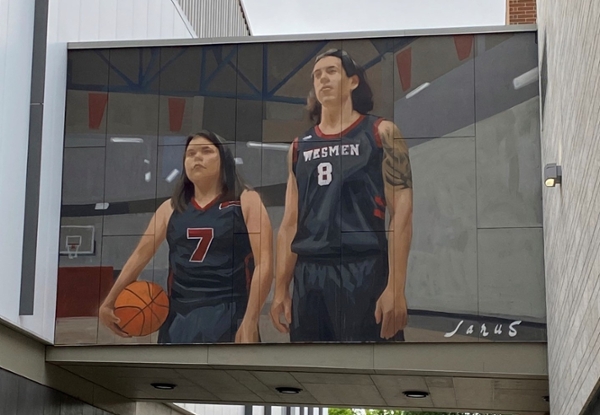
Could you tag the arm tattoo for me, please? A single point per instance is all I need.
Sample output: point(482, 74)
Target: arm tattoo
point(396, 162)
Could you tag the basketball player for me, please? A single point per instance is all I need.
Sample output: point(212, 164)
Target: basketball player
point(344, 173)
point(213, 225)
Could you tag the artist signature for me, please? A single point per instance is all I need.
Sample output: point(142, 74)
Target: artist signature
point(483, 329)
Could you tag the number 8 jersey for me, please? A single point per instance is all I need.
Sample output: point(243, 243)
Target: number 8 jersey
point(210, 257)
point(341, 201)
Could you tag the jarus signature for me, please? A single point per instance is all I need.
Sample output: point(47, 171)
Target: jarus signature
point(483, 329)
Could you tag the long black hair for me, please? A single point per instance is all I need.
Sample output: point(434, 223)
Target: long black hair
point(362, 96)
point(232, 185)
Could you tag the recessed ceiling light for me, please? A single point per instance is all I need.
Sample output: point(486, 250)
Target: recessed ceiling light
point(164, 386)
point(288, 390)
point(416, 394)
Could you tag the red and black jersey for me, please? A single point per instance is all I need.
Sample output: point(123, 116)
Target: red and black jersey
point(210, 257)
point(341, 200)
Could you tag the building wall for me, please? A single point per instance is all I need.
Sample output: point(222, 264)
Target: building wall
point(16, 40)
point(30, 386)
point(569, 45)
point(521, 11)
point(216, 18)
point(19, 395)
point(88, 20)
point(25, 357)
point(206, 409)
point(209, 409)
point(68, 20)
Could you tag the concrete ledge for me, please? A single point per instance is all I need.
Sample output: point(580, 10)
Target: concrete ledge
point(487, 377)
point(303, 37)
point(523, 360)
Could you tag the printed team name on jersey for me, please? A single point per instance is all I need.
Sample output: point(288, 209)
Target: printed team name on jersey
point(331, 151)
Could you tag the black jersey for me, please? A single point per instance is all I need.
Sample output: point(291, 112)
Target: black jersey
point(210, 257)
point(341, 200)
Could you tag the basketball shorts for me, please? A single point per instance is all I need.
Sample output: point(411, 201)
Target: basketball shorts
point(207, 324)
point(335, 302)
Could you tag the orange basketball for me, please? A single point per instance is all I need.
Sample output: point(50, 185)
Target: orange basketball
point(142, 308)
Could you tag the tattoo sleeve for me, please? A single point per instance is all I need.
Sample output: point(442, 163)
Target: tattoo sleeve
point(396, 163)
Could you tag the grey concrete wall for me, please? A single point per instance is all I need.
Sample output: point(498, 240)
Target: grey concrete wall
point(29, 385)
point(19, 395)
point(569, 45)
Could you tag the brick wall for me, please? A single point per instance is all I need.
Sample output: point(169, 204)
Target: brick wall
point(521, 11)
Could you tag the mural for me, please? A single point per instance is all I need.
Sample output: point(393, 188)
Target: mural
point(368, 190)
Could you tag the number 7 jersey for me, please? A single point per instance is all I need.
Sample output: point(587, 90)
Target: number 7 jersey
point(210, 257)
point(341, 200)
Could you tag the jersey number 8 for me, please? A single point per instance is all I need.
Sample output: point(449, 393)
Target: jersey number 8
point(324, 171)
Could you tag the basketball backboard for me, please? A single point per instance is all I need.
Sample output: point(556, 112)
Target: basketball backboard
point(76, 240)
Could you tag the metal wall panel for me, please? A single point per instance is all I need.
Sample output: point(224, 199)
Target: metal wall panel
point(216, 18)
point(16, 43)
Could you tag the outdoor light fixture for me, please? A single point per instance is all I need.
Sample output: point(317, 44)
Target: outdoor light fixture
point(164, 386)
point(547, 398)
point(552, 175)
point(416, 394)
point(288, 390)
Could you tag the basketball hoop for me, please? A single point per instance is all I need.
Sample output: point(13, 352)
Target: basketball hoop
point(73, 244)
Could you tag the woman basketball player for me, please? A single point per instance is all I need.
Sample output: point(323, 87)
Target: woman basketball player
point(213, 225)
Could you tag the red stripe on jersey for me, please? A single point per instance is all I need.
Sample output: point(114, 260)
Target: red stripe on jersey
point(208, 206)
point(341, 134)
point(376, 132)
point(379, 200)
point(379, 213)
point(230, 203)
point(295, 150)
point(247, 260)
point(170, 282)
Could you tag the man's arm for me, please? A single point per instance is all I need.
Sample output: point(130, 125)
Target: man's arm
point(260, 234)
point(391, 307)
point(286, 259)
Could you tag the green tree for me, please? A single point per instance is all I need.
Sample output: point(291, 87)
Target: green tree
point(342, 411)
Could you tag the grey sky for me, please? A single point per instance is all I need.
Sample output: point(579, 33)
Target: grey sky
point(273, 17)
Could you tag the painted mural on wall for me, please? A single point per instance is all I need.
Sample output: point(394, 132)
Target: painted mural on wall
point(367, 190)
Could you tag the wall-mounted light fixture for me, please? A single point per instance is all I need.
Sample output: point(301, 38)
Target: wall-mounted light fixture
point(416, 394)
point(552, 175)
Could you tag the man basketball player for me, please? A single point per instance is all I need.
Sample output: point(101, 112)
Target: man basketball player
point(213, 225)
point(349, 274)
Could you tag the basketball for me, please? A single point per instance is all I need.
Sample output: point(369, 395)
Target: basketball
point(142, 308)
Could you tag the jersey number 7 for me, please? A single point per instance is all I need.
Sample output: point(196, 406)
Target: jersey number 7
point(205, 236)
